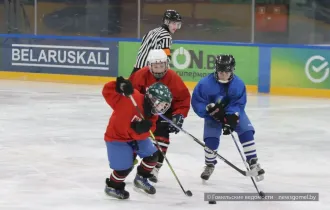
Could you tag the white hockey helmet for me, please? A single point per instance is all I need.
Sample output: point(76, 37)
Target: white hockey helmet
point(157, 62)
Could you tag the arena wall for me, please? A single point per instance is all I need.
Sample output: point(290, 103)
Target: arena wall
point(297, 70)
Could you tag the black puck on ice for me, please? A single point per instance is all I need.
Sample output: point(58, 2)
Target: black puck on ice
point(262, 194)
point(189, 193)
point(212, 202)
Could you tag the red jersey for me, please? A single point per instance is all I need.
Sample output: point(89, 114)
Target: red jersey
point(124, 112)
point(143, 78)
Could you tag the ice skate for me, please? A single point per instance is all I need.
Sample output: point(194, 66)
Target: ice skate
point(115, 193)
point(144, 185)
point(255, 166)
point(208, 170)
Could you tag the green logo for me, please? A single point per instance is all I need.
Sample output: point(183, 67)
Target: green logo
point(184, 59)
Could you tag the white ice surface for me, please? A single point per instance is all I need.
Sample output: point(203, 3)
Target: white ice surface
point(52, 153)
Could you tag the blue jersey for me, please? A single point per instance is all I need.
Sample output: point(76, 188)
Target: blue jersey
point(209, 90)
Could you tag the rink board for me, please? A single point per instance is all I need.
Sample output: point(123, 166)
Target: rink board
point(74, 79)
point(95, 80)
point(295, 70)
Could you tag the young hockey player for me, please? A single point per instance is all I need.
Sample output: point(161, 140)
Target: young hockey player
point(127, 133)
point(220, 98)
point(157, 71)
point(158, 38)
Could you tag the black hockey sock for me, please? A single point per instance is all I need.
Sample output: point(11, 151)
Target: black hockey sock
point(117, 179)
point(160, 159)
point(146, 165)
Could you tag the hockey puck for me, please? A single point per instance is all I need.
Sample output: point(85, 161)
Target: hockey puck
point(189, 193)
point(262, 194)
point(212, 202)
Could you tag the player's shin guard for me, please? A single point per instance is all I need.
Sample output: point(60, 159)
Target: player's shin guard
point(212, 144)
point(250, 152)
point(115, 185)
point(144, 172)
point(163, 143)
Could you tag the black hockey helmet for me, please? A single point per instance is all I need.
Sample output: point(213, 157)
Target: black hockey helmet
point(171, 15)
point(225, 63)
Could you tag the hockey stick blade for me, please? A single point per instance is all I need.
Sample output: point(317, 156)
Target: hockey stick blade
point(244, 173)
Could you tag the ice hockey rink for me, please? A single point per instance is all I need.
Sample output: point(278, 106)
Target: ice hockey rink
point(52, 153)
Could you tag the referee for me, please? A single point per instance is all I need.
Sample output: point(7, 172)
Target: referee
point(158, 38)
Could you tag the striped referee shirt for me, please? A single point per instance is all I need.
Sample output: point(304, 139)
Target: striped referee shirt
point(158, 38)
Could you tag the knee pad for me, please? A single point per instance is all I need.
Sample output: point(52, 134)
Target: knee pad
point(246, 136)
point(153, 158)
point(212, 143)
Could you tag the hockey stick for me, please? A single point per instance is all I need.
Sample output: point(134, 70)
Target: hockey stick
point(261, 193)
point(249, 173)
point(188, 192)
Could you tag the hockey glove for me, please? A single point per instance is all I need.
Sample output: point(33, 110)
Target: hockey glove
point(142, 126)
point(178, 120)
point(124, 86)
point(230, 123)
point(216, 111)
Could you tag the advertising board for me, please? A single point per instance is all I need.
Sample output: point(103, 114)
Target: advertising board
point(192, 62)
point(300, 68)
point(61, 57)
